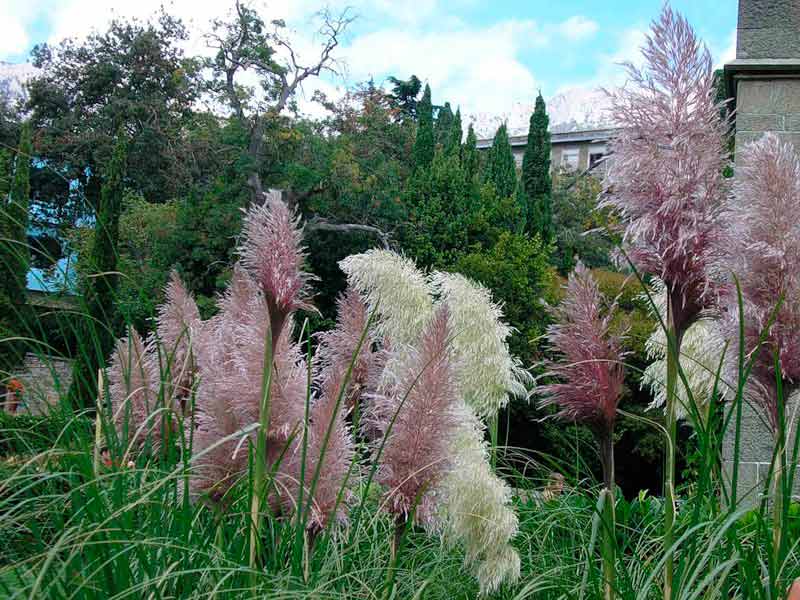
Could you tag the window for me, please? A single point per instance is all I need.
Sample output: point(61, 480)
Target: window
point(569, 159)
point(594, 159)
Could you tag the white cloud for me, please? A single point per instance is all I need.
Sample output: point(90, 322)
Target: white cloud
point(478, 69)
point(728, 53)
point(13, 38)
point(610, 71)
point(578, 28)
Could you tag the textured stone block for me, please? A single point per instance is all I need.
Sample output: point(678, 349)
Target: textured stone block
point(768, 29)
point(749, 487)
point(756, 122)
point(768, 97)
point(755, 443)
point(767, 14)
point(792, 123)
point(46, 380)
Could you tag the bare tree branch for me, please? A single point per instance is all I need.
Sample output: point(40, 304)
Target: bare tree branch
point(245, 44)
point(318, 224)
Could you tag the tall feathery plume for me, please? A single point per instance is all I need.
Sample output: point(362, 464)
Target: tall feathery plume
point(273, 254)
point(666, 183)
point(133, 390)
point(177, 325)
point(476, 511)
point(219, 456)
point(666, 180)
point(394, 288)
point(590, 377)
point(762, 249)
point(217, 464)
point(287, 386)
point(329, 473)
point(339, 347)
point(422, 419)
point(487, 373)
point(330, 450)
point(403, 298)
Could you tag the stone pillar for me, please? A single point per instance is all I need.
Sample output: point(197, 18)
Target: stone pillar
point(764, 82)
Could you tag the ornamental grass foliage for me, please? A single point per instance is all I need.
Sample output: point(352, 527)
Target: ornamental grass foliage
point(588, 377)
point(414, 365)
point(666, 184)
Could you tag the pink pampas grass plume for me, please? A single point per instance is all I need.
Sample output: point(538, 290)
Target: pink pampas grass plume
point(216, 464)
point(762, 248)
point(332, 459)
point(665, 178)
point(133, 387)
point(177, 325)
point(424, 397)
point(273, 254)
point(589, 367)
point(337, 348)
point(330, 455)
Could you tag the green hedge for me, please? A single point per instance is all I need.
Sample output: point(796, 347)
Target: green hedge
point(31, 434)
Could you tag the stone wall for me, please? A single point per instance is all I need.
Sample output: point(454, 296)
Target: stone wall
point(46, 380)
point(768, 29)
point(765, 79)
point(768, 105)
point(755, 454)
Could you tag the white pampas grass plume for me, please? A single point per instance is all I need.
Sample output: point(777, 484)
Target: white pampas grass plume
point(392, 285)
point(486, 372)
point(477, 512)
point(701, 351)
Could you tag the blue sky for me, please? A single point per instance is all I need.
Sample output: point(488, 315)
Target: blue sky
point(481, 55)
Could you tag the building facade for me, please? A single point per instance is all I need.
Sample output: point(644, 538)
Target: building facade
point(574, 151)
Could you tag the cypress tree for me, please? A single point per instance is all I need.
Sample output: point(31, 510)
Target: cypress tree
point(17, 216)
point(444, 123)
point(100, 289)
point(470, 160)
point(424, 144)
point(501, 170)
point(537, 185)
point(453, 142)
point(15, 193)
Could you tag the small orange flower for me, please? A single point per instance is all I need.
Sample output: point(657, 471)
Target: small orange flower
point(15, 386)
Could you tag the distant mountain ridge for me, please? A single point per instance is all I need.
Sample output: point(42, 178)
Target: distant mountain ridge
point(574, 109)
point(13, 77)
